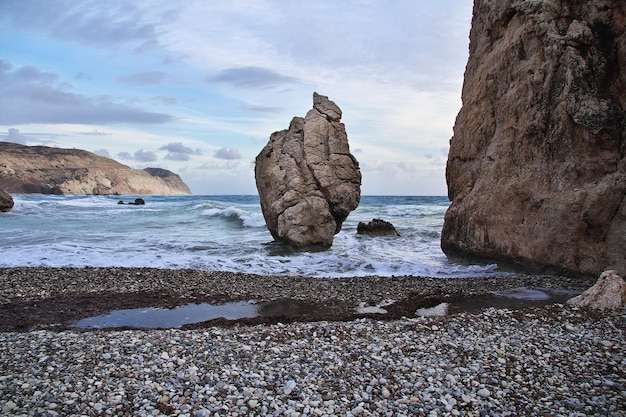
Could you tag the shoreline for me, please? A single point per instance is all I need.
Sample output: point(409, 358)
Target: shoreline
point(557, 360)
point(52, 298)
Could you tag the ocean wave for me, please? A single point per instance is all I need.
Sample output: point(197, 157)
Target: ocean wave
point(246, 219)
point(220, 233)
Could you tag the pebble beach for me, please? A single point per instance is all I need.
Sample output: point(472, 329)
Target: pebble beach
point(553, 360)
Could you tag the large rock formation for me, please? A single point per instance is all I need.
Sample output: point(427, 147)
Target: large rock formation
point(6, 201)
point(537, 171)
point(307, 178)
point(45, 170)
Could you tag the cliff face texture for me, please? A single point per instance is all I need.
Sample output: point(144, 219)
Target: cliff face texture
point(536, 171)
point(307, 179)
point(40, 169)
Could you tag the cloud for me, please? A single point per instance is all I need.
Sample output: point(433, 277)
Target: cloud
point(261, 109)
point(177, 156)
point(27, 96)
point(95, 132)
point(179, 152)
point(406, 166)
point(168, 101)
point(93, 22)
point(29, 73)
point(15, 136)
point(374, 165)
point(225, 153)
point(177, 147)
point(139, 156)
point(142, 79)
point(208, 165)
point(252, 77)
point(102, 152)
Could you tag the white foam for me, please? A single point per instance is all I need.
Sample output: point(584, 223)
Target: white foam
point(217, 234)
point(438, 310)
point(247, 219)
point(375, 309)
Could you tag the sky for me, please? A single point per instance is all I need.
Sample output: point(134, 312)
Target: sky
point(198, 87)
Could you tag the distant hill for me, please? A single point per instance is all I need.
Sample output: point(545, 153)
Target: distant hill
point(46, 170)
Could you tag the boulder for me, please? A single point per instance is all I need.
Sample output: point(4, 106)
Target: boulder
point(6, 201)
point(608, 292)
point(377, 227)
point(308, 181)
point(536, 170)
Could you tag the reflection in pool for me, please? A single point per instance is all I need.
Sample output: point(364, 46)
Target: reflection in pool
point(152, 318)
point(155, 318)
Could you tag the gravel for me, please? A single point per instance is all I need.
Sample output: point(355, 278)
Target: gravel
point(555, 360)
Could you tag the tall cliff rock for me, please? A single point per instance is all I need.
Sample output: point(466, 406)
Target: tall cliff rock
point(45, 170)
point(536, 171)
point(307, 179)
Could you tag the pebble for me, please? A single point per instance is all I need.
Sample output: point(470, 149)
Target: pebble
point(483, 393)
point(327, 368)
point(557, 360)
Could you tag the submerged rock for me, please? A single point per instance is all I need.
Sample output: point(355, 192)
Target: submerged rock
point(307, 179)
point(137, 202)
point(536, 171)
point(377, 227)
point(6, 201)
point(608, 292)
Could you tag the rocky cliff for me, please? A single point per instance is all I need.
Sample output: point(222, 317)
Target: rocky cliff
point(45, 170)
point(536, 171)
point(307, 179)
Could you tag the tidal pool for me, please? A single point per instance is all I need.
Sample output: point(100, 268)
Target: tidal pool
point(161, 318)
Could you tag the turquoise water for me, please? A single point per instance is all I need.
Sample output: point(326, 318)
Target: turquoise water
point(220, 233)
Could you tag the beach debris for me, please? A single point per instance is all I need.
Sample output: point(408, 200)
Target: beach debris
point(608, 292)
point(307, 179)
point(377, 227)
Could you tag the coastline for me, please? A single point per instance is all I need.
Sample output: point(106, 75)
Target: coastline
point(557, 360)
point(52, 298)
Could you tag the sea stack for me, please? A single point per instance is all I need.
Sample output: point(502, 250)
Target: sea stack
point(536, 171)
point(307, 179)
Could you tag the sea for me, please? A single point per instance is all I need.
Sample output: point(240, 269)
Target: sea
point(222, 233)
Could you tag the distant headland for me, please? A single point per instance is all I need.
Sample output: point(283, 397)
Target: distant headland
point(47, 170)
